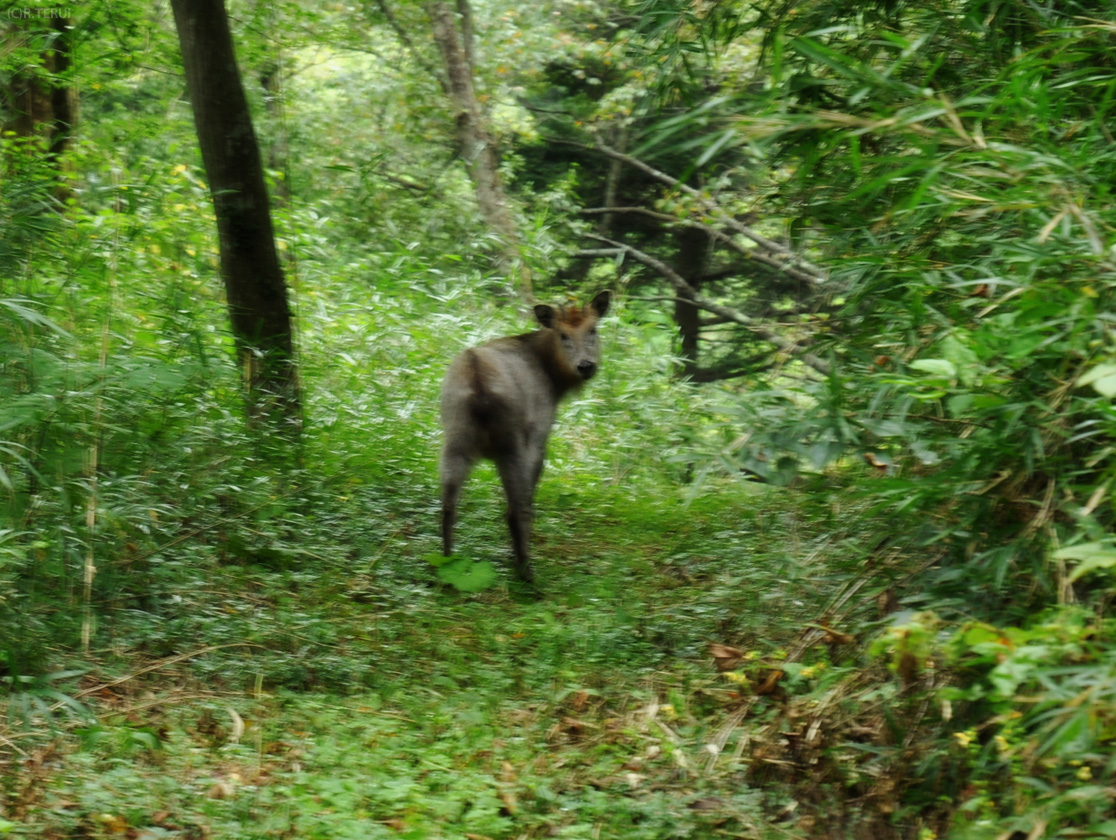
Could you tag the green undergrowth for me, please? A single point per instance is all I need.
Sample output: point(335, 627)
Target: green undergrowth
point(340, 690)
point(732, 660)
point(271, 653)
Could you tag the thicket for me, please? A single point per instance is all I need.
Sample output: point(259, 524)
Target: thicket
point(949, 165)
point(944, 170)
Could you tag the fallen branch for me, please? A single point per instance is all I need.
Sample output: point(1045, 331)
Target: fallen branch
point(163, 663)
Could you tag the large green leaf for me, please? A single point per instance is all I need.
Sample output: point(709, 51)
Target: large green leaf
point(466, 575)
point(939, 368)
point(1102, 378)
point(1092, 556)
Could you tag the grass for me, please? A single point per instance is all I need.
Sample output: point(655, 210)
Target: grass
point(274, 655)
point(341, 691)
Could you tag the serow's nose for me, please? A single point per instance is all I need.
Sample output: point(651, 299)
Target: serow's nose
point(586, 369)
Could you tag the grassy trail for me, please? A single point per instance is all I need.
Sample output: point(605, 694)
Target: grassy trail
point(369, 700)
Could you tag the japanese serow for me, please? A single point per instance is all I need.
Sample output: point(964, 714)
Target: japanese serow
point(499, 401)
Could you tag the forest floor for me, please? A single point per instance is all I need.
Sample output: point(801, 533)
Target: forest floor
point(318, 680)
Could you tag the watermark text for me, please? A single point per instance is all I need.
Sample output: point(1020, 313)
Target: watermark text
point(38, 13)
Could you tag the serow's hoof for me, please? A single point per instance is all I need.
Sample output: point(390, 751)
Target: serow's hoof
point(526, 572)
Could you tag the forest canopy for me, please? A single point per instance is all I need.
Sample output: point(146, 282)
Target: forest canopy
point(825, 550)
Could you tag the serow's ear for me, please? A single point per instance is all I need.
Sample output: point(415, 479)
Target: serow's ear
point(600, 303)
point(545, 315)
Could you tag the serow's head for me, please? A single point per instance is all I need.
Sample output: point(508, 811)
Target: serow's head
point(576, 328)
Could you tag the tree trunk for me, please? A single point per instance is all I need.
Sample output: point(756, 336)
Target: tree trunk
point(278, 152)
point(41, 102)
point(477, 148)
point(256, 290)
point(618, 139)
point(693, 248)
point(63, 97)
point(277, 139)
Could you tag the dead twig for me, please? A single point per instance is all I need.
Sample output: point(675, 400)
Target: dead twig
point(758, 254)
point(164, 663)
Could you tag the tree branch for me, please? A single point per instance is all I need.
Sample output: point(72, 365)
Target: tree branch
point(643, 211)
point(730, 370)
point(405, 39)
point(692, 296)
point(601, 252)
point(779, 264)
point(403, 182)
point(790, 260)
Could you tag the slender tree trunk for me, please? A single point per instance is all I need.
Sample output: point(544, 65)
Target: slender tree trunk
point(477, 148)
point(256, 290)
point(278, 152)
point(63, 97)
point(618, 139)
point(277, 140)
point(693, 247)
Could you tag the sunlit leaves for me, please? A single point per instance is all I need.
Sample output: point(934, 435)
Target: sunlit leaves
point(1090, 556)
point(1102, 378)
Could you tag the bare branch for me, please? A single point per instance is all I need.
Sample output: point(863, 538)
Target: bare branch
point(790, 258)
point(714, 322)
point(599, 252)
point(744, 367)
point(643, 211)
point(757, 254)
point(405, 39)
point(692, 297)
point(403, 182)
point(658, 298)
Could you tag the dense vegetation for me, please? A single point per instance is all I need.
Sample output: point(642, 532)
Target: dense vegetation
point(825, 550)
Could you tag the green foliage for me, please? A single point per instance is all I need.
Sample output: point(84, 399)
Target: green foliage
point(918, 582)
point(46, 699)
point(119, 741)
point(970, 345)
point(463, 574)
point(973, 308)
